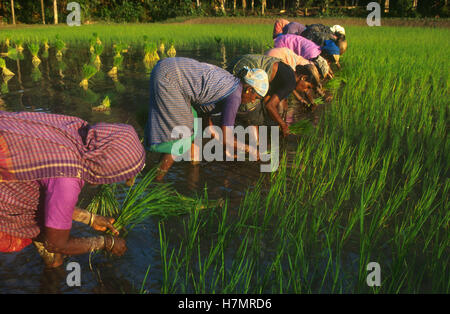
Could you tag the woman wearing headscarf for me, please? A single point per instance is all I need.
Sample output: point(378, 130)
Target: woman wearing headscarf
point(45, 159)
point(319, 33)
point(307, 75)
point(282, 81)
point(278, 27)
point(179, 87)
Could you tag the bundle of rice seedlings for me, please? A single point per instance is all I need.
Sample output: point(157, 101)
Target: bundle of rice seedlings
point(34, 50)
point(150, 53)
point(7, 42)
point(118, 59)
point(59, 45)
point(104, 106)
point(19, 45)
point(98, 50)
point(118, 49)
point(105, 202)
point(45, 44)
point(92, 42)
point(161, 46)
point(171, 52)
point(5, 70)
point(303, 127)
point(88, 72)
point(97, 39)
point(12, 53)
point(147, 198)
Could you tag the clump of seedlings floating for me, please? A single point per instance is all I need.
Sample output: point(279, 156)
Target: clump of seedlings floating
point(118, 60)
point(150, 55)
point(98, 50)
point(88, 72)
point(162, 46)
point(171, 52)
point(12, 53)
point(105, 106)
point(6, 72)
point(19, 45)
point(59, 46)
point(34, 50)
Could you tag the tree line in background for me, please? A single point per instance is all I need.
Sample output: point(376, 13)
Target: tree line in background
point(54, 11)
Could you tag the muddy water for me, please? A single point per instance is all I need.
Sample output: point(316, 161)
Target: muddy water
point(56, 90)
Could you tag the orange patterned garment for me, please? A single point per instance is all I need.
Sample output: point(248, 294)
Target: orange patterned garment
point(9, 243)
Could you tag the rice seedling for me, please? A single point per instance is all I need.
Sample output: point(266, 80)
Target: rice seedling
point(92, 43)
point(19, 45)
point(171, 52)
point(59, 46)
point(104, 203)
point(162, 46)
point(104, 106)
point(98, 50)
point(7, 42)
point(117, 63)
point(88, 72)
point(150, 53)
point(5, 70)
point(301, 127)
point(34, 50)
point(12, 53)
point(45, 43)
point(97, 38)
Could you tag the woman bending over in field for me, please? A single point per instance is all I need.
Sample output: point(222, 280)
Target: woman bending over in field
point(45, 159)
point(179, 87)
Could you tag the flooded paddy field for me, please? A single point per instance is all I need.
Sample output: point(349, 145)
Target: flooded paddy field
point(368, 184)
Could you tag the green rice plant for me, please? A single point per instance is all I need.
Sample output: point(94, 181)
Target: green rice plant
point(104, 106)
point(92, 43)
point(302, 127)
point(34, 50)
point(98, 50)
point(60, 45)
point(5, 70)
point(117, 63)
point(19, 45)
point(119, 48)
point(150, 53)
point(88, 72)
point(12, 53)
point(45, 44)
point(162, 46)
point(104, 203)
point(171, 52)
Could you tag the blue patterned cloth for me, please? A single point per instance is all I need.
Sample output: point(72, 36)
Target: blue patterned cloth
point(176, 84)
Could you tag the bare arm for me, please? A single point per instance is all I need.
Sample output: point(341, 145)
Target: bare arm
point(59, 241)
point(271, 106)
